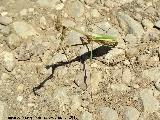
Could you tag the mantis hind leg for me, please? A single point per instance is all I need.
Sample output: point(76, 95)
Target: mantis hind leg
point(91, 51)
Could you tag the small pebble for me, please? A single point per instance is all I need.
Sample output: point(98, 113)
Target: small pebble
point(147, 23)
point(86, 116)
point(127, 76)
point(5, 30)
point(119, 87)
point(43, 22)
point(157, 84)
point(79, 80)
point(131, 39)
point(23, 12)
point(157, 24)
point(19, 98)
point(90, 2)
point(5, 20)
point(59, 6)
point(24, 29)
point(4, 13)
point(96, 78)
point(31, 10)
point(75, 8)
point(3, 111)
point(150, 103)
point(115, 55)
point(20, 88)
point(13, 41)
point(76, 102)
point(131, 113)
point(5, 76)
point(95, 13)
point(130, 25)
point(94, 65)
point(9, 61)
point(107, 113)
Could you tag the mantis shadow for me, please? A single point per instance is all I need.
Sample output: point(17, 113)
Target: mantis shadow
point(100, 51)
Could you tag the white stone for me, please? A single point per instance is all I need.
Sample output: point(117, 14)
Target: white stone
point(43, 21)
point(90, 2)
point(48, 3)
point(96, 78)
point(24, 29)
point(131, 113)
point(157, 84)
point(115, 55)
point(157, 24)
point(5, 20)
point(94, 65)
point(95, 13)
point(19, 98)
point(23, 12)
point(8, 61)
point(31, 10)
point(13, 41)
point(86, 116)
point(4, 13)
point(59, 6)
point(153, 73)
point(150, 103)
point(60, 94)
point(3, 111)
point(147, 23)
point(127, 76)
point(129, 25)
point(75, 8)
point(75, 102)
point(119, 87)
point(107, 113)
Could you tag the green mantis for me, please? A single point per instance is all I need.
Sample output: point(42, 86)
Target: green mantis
point(98, 38)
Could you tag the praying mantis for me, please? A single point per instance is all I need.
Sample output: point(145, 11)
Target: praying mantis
point(98, 38)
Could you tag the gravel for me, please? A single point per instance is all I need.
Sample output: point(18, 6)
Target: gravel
point(118, 83)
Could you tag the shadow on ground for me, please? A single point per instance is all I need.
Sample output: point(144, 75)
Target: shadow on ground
point(100, 51)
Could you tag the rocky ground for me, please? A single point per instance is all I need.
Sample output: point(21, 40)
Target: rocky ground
point(120, 83)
